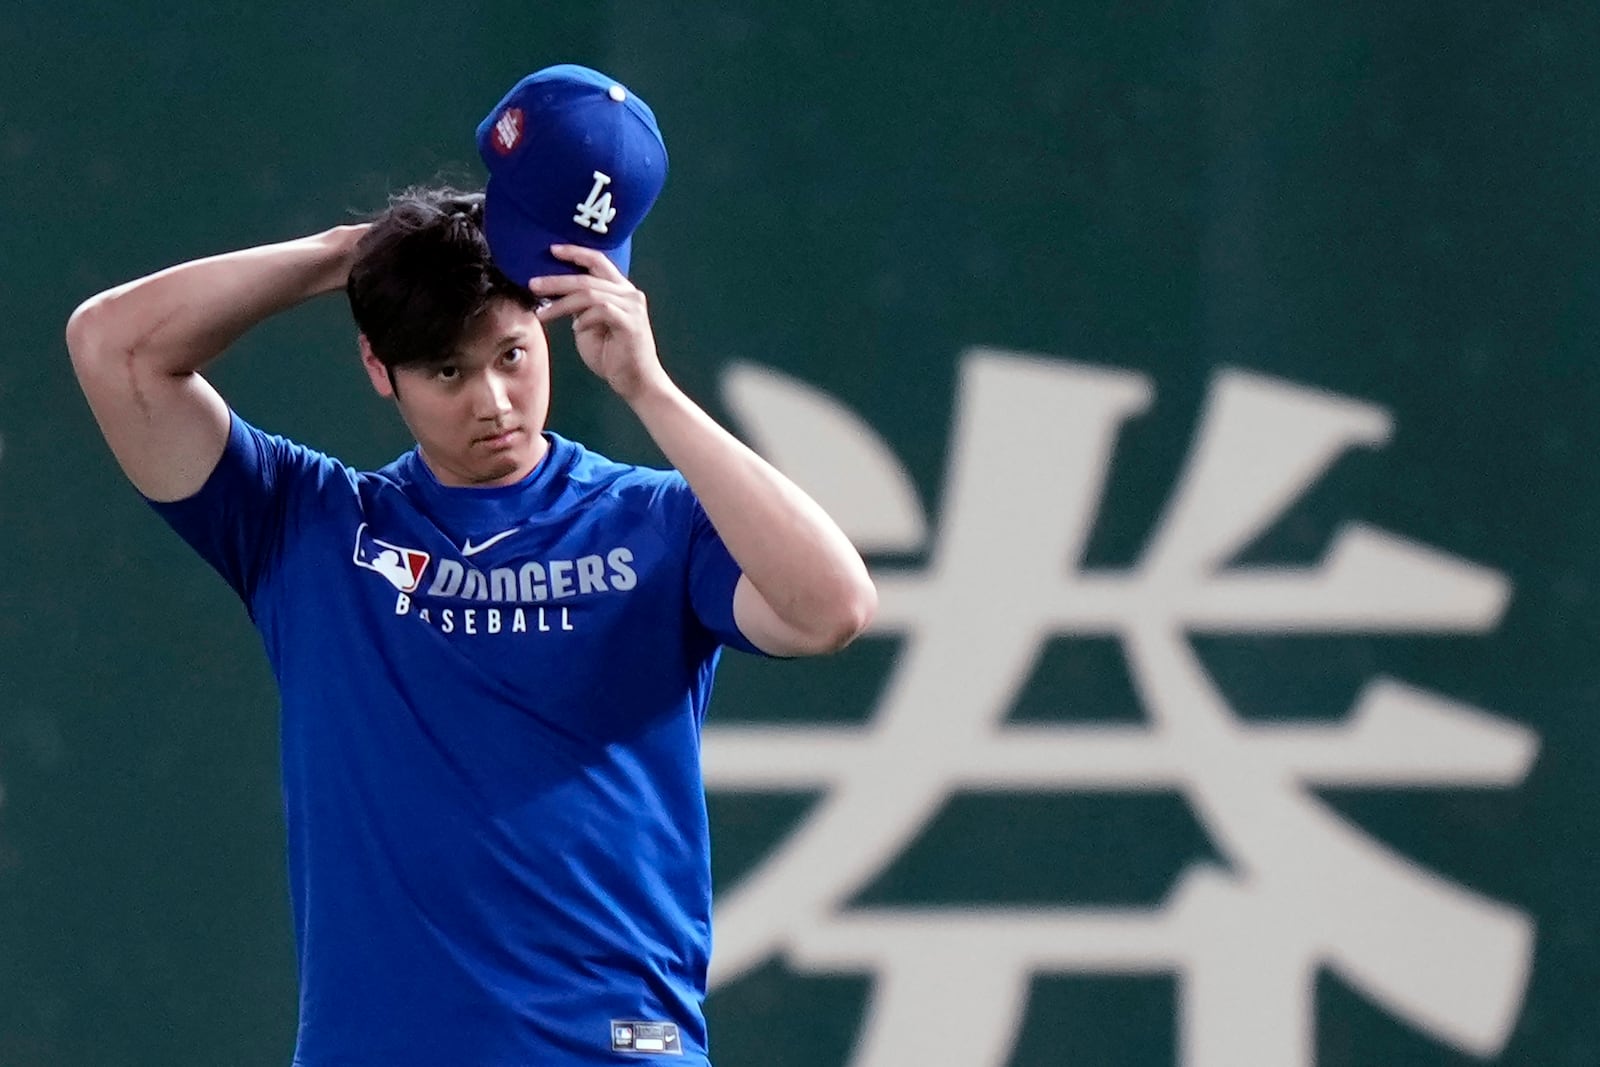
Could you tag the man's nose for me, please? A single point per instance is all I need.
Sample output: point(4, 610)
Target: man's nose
point(492, 399)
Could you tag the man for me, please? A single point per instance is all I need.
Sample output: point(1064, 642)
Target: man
point(495, 653)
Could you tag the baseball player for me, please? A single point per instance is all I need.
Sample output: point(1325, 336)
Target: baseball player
point(494, 654)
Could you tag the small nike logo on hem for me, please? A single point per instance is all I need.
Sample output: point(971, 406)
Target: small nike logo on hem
point(470, 549)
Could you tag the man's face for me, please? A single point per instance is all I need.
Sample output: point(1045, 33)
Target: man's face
point(479, 416)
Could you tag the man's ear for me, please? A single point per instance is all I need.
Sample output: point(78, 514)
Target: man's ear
point(380, 376)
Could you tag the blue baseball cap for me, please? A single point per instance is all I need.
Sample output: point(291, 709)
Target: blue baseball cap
point(573, 158)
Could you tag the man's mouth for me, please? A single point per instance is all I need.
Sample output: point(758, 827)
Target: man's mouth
point(498, 440)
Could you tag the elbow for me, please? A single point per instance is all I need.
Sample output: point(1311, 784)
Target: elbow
point(99, 341)
point(86, 330)
point(853, 614)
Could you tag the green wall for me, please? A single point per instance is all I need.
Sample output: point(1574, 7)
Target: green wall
point(1110, 329)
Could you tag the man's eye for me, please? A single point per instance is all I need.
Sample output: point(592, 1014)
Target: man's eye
point(447, 373)
point(516, 355)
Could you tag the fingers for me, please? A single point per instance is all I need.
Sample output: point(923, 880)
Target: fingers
point(568, 299)
point(571, 294)
point(567, 305)
point(593, 318)
point(561, 293)
point(589, 308)
point(556, 286)
point(594, 261)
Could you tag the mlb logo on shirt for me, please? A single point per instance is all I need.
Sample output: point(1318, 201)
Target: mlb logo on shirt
point(402, 566)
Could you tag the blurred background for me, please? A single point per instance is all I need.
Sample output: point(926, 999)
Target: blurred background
point(1210, 384)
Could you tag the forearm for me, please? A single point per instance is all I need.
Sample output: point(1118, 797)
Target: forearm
point(796, 557)
point(177, 320)
point(805, 589)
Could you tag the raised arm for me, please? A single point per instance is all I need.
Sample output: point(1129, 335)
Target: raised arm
point(137, 350)
point(805, 589)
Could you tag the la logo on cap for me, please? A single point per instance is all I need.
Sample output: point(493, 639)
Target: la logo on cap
point(596, 212)
point(508, 131)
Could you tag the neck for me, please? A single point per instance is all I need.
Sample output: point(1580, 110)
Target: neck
point(492, 478)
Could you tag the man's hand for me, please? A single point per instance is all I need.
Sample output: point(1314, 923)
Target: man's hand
point(609, 320)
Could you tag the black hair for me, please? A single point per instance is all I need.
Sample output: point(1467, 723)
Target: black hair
point(422, 274)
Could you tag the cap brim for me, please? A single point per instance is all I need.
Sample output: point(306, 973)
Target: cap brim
point(520, 247)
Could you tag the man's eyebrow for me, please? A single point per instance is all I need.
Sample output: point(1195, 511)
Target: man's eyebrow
point(461, 354)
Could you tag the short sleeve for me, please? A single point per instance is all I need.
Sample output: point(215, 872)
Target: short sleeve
point(713, 573)
point(236, 520)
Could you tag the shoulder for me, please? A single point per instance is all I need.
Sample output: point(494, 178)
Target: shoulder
point(305, 481)
point(305, 463)
point(589, 472)
point(631, 495)
point(256, 463)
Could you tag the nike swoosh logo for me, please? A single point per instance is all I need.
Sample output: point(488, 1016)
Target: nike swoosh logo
point(470, 549)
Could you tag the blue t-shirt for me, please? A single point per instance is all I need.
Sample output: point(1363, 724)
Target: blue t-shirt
point(492, 699)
